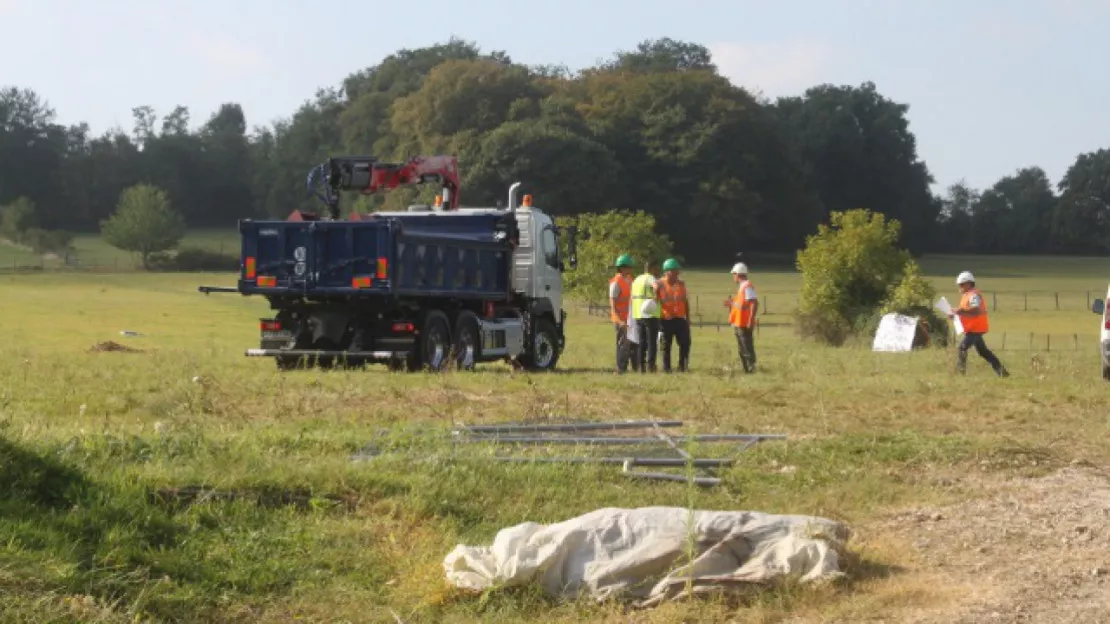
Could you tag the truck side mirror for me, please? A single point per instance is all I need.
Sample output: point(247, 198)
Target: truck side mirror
point(1098, 307)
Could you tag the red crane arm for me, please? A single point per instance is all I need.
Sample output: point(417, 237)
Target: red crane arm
point(419, 170)
point(366, 175)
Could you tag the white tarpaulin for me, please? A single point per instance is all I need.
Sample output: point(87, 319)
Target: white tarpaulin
point(642, 553)
point(895, 333)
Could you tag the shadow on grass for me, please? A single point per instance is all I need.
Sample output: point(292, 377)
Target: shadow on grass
point(64, 531)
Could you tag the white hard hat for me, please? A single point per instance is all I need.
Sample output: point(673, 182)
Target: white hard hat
point(740, 268)
point(965, 278)
point(648, 307)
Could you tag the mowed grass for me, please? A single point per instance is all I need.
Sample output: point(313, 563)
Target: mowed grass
point(89, 439)
point(92, 251)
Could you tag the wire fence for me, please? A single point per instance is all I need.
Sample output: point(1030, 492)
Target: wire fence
point(1032, 342)
point(786, 302)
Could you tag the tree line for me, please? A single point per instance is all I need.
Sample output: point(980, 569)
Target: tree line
point(655, 130)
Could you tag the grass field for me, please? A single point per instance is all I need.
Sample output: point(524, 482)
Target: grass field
point(87, 438)
point(90, 251)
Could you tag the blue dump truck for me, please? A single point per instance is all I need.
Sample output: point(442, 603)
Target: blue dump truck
point(424, 289)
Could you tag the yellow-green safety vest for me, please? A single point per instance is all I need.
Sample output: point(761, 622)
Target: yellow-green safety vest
point(641, 292)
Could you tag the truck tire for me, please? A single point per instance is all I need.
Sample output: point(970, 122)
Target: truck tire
point(468, 341)
point(434, 345)
point(543, 354)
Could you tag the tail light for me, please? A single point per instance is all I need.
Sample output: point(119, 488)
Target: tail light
point(249, 267)
point(403, 327)
point(265, 281)
point(1106, 324)
point(383, 266)
point(271, 326)
point(361, 281)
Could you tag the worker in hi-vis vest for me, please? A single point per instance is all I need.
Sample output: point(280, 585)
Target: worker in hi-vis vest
point(646, 314)
point(674, 304)
point(620, 297)
point(972, 312)
point(743, 307)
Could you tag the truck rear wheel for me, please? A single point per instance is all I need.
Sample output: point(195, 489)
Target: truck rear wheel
point(434, 345)
point(468, 340)
point(544, 352)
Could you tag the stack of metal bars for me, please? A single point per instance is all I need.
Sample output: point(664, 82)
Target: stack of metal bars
point(570, 433)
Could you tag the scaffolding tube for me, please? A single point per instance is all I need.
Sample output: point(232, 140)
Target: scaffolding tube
point(629, 461)
point(631, 424)
point(714, 437)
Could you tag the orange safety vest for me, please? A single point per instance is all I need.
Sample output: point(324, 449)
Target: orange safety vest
point(672, 299)
point(623, 297)
point(974, 324)
point(741, 313)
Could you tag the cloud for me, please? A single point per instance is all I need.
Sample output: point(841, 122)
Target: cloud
point(1079, 7)
point(227, 57)
point(776, 69)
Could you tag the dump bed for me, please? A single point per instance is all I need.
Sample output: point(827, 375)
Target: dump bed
point(434, 255)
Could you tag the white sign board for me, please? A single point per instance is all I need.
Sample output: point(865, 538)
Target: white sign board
point(895, 333)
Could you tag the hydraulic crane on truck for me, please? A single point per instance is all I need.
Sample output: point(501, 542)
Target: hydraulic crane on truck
point(368, 175)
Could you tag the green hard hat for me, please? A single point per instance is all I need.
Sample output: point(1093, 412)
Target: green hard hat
point(624, 260)
point(671, 265)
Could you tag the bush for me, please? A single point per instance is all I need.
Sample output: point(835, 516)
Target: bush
point(603, 237)
point(193, 259)
point(47, 241)
point(853, 273)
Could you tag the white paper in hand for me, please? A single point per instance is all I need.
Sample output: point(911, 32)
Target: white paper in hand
point(633, 333)
point(945, 308)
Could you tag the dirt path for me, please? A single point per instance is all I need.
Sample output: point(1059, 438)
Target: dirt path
point(1033, 550)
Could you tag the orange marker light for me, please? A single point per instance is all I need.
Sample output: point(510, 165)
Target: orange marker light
point(383, 266)
point(361, 281)
point(265, 281)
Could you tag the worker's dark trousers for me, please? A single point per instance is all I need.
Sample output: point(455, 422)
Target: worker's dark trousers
point(676, 330)
point(648, 345)
point(745, 344)
point(976, 340)
point(623, 347)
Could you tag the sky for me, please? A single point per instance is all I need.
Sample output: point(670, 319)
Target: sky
point(992, 85)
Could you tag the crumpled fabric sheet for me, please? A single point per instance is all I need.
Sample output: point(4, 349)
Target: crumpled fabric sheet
point(644, 554)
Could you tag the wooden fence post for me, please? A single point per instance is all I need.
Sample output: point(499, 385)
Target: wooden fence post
point(1026, 294)
point(1057, 300)
point(994, 296)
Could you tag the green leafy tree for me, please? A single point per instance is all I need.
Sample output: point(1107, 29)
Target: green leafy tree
point(16, 218)
point(144, 223)
point(853, 270)
point(601, 238)
point(1081, 222)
